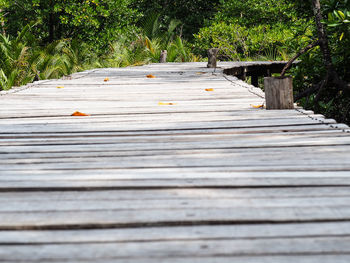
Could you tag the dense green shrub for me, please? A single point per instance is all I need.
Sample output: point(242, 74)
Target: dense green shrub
point(239, 42)
point(251, 29)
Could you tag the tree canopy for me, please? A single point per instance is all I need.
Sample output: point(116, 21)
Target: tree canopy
point(96, 21)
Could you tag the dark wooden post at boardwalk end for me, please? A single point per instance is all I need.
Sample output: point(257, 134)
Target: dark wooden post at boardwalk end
point(255, 80)
point(163, 56)
point(279, 93)
point(212, 53)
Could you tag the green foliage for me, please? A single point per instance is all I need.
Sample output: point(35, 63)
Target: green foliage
point(20, 63)
point(93, 21)
point(253, 12)
point(239, 42)
point(14, 60)
point(192, 13)
point(22, 58)
point(148, 46)
point(331, 102)
point(255, 30)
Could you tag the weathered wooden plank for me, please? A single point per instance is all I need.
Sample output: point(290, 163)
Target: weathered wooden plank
point(201, 160)
point(252, 130)
point(340, 166)
point(220, 115)
point(178, 194)
point(100, 218)
point(167, 159)
point(30, 184)
point(218, 232)
point(241, 153)
point(200, 144)
point(107, 110)
point(174, 138)
point(189, 202)
point(156, 126)
point(179, 249)
point(146, 120)
point(325, 258)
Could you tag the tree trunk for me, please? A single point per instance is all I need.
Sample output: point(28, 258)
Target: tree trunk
point(322, 35)
point(51, 26)
point(51, 22)
point(2, 25)
point(301, 52)
point(332, 75)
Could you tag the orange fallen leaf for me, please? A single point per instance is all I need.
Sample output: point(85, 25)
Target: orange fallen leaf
point(78, 113)
point(106, 79)
point(166, 103)
point(209, 89)
point(257, 106)
point(150, 76)
point(59, 87)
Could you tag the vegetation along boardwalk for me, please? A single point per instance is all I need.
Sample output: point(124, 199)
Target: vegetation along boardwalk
point(177, 167)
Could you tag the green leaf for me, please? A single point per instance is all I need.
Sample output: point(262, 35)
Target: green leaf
point(341, 14)
point(334, 24)
point(335, 13)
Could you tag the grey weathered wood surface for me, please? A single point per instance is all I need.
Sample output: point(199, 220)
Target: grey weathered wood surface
point(279, 93)
point(208, 179)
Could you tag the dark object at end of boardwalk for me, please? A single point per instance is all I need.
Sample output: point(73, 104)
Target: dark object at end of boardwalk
point(163, 56)
point(37, 77)
point(212, 54)
point(279, 93)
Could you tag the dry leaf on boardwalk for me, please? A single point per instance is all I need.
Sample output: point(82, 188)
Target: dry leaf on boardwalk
point(60, 87)
point(166, 103)
point(209, 89)
point(200, 73)
point(257, 106)
point(78, 113)
point(150, 76)
point(106, 79)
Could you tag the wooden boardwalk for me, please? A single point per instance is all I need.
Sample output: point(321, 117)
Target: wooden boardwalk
point(207, 179)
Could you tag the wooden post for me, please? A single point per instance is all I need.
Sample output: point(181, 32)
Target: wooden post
point(279, 93)
point(163, 56)
point(255, 80)
point(212, 53)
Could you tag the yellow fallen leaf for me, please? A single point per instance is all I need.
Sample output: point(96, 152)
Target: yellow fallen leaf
point(78, 113)
point(106, 79)
point(200, 73)
point(166, 103)
point(257, 106)
point(59, 87)
point(209, 89)
point(150, 76)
